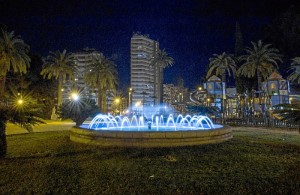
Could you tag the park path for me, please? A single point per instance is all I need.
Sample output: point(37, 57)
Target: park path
point(268, 130)
point(12, 129)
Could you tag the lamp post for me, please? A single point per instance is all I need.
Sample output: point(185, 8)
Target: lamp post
point(143, 93)
point(20, 102)
point(208, 100)
point(137, 104)
point(75, 96)
point(130, 96)
point(117, 101)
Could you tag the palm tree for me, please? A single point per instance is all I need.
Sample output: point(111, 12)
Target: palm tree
point(13, 56)
point(102, 74)
point(288, 112)
point(23, 111)
point(295, 67)
point(220, 64)
point(260, 61)
point(59, 66)
point(160, 61)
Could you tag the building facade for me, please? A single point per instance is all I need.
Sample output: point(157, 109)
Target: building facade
point(144, 84)
point(176, 96)
point(82, 60)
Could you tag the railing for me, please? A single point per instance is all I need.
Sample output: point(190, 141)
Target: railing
point(257, 122)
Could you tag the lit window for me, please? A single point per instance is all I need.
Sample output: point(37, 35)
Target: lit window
point(273, 85)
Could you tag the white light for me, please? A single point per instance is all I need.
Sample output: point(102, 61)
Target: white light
point(20, 101)
point(75, 96)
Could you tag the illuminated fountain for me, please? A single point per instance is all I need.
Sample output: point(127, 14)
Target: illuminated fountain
point(156, 123)
point(150, 130)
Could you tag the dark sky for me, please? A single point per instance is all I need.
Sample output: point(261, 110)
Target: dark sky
point(190, 31)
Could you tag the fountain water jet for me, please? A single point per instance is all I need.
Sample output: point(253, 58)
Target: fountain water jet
point(183, 123)
point(151, 131)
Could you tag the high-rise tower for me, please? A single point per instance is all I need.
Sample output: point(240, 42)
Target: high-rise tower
point(83, 59)
point(145, 88)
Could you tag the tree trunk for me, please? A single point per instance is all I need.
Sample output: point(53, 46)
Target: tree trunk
point(100, 98)
point(3, 143)
point(2, 86)
point(59, 92)
point(259, 80)
point(223, 75)
point(154, 85)
point(104, 101)
point(161, 81)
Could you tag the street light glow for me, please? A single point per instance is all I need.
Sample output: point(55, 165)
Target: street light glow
point(75, 96)
point(20, 101)
point(137, 104)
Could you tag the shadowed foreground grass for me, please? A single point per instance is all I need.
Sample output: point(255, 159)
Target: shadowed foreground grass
point(252, 162)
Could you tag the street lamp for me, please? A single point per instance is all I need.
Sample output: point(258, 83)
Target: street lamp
point(117, 101)
point(208, 100)
point(144, 93)
point(20, 101)
point(137, 105)
point(130, 96)
point(75, 96)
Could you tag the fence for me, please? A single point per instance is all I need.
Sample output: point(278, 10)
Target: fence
point(257, 122)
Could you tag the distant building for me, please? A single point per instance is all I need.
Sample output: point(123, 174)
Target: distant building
point(82, 59)
point(215, 92)
point(145, 89)
point(277, 89)
point(175, 96)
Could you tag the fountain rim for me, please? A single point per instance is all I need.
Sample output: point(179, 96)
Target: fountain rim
point(161, 130)
point(107, 138)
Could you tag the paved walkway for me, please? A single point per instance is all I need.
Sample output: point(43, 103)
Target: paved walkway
point(12, 129)
point(268, 130)
point(49, 126)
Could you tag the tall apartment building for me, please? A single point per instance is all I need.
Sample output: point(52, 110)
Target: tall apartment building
point(143, 80)
point(176, 96)
point(82, 59)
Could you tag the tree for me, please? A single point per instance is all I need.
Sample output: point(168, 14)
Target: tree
point(101, 74)
point(160, 61)
point(284, 33)
point(260, 61)
point(22, 111)
point(60, 66)
point(288, 112)
point(13, 57)
point(220, 64)
point(295, 67)
point(239, 43)
point(78, 110)
point(38, 85)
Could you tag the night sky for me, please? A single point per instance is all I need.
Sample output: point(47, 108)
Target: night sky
point(190, 31)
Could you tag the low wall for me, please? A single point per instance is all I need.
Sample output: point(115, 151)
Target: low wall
point(150, 138)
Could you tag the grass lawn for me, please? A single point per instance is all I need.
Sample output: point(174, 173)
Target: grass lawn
point(264, 162)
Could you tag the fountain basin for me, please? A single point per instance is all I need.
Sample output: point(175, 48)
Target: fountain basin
point(146, 139)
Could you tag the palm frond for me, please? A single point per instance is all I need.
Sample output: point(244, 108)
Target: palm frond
point(288, 112)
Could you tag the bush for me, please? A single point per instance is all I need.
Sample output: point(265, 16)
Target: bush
point(79, 110)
